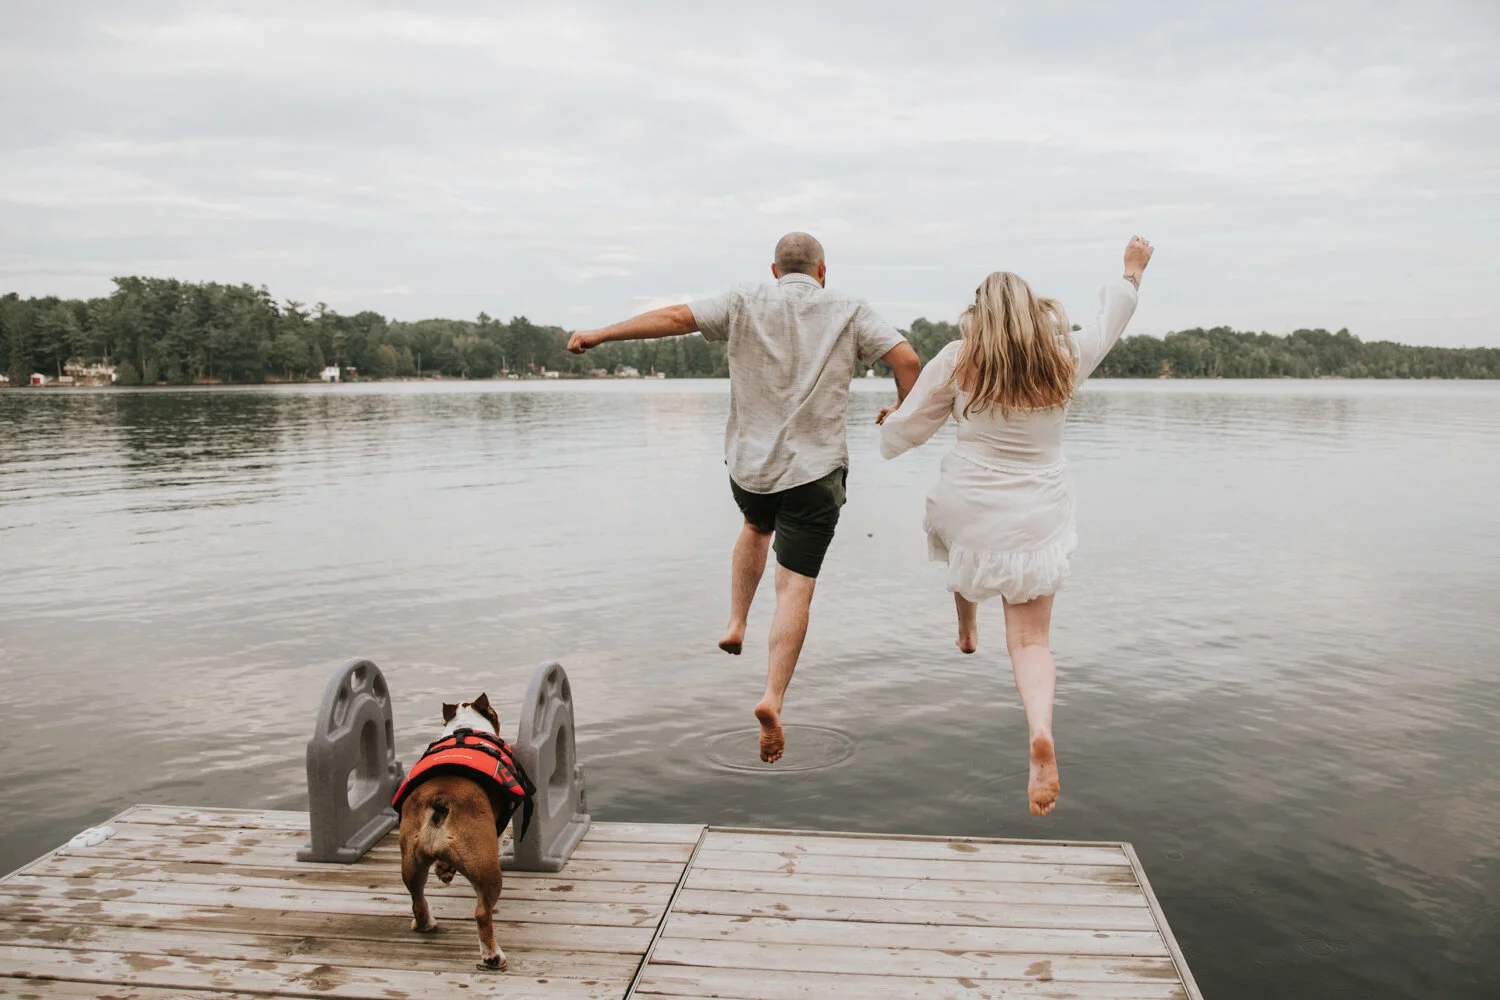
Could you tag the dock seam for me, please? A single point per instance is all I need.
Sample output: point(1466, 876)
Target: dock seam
point(666, 914)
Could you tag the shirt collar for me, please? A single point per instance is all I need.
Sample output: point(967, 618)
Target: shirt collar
point(798, 278)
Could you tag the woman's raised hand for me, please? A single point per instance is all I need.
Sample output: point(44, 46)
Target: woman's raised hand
point(1137, 255)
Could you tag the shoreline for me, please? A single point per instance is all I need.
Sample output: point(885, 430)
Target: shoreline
point(277, 383)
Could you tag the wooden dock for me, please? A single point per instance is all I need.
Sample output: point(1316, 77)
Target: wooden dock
point(209, 904)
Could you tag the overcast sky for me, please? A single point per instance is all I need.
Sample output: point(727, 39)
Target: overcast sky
point(1296, 164)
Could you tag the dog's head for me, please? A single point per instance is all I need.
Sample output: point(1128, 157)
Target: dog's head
point(478, 715)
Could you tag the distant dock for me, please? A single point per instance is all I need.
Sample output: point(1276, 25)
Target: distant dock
point(211, 904)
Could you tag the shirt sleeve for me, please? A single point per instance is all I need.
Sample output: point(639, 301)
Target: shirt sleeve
point(926, 409)
point(712, 315)
point(873, 336)
point(1116, 305)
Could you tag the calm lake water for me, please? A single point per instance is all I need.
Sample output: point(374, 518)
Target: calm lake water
point(1278, 651)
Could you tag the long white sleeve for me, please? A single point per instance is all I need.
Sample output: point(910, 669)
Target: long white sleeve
point(925, 410)
point(1116, 305)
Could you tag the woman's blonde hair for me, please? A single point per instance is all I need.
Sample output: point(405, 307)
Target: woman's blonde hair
point(1016, 354)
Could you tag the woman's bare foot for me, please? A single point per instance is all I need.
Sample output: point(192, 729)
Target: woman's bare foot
point(1042, 790)
point(968, 624)
point(733, 642)
point(772, 739)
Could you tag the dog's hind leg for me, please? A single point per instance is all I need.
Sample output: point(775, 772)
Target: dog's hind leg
point(484, 876)
point(414, 874)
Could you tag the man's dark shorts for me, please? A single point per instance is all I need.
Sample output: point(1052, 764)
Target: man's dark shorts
point(802, 517)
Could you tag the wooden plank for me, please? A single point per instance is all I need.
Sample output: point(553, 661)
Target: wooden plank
point(908, 962)
point(913, 837)
point(653, 895)
point(915, 911)
point(917, 937)
point(358, 877)
point(242, 819)
point(377, 924)
point(251, 819)
point(871, 886)
point(992, 871)
point(937, 850)
point(1183, 972)
point(274, 847)
point(646, 833)
point(560, 909)
point(451, 949)
point(172, 842)
point(292, 979)
point(57, 989)
point(758, 984)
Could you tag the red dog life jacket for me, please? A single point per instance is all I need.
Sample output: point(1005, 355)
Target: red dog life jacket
point(486, 759)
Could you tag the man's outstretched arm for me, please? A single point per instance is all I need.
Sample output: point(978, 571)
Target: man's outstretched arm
point(668, 321)
point(905, 365)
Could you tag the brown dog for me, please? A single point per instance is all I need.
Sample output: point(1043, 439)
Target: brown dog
point(452, 819)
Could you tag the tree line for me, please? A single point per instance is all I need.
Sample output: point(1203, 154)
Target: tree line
point(160, 330)
point(1225, 353)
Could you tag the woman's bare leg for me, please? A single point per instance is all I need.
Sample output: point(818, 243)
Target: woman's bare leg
point(1027, 637)
point(968, 623)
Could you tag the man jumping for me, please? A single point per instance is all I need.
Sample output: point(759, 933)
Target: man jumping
point(793, 348)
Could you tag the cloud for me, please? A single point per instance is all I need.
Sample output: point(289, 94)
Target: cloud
point(1330, 164)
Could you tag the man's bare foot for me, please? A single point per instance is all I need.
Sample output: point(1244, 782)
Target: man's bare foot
point(733, 642)
point(772, 739)
point(967, 641)
point(1043, 788)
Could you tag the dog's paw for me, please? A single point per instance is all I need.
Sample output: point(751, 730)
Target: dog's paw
point(495, 963)
point(422, 928)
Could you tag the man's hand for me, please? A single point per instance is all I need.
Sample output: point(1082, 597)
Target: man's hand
point(886, 411)
point(1137, 255)
point(583, 340)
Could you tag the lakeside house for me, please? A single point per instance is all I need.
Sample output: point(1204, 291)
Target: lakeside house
point(329, 374)
point(625, 371)
point(37, 378)
point(82, 374)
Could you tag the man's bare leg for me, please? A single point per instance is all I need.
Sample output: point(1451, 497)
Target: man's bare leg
point(1027, 636)
point(788, 630)
point(744, 577)
point(968, 624)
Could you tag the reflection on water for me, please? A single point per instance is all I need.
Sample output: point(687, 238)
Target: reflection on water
point(1277, 650)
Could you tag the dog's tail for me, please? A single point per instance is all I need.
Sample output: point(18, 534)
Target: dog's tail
point(434, 835)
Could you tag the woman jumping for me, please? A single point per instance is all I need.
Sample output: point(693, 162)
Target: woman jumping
point(1001, 516)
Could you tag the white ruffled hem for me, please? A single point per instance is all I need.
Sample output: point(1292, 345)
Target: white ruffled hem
point(1018, 577)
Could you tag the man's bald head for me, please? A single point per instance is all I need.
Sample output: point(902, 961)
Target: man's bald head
point(799, 253)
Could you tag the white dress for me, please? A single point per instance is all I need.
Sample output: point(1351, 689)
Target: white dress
point(1001, 515)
